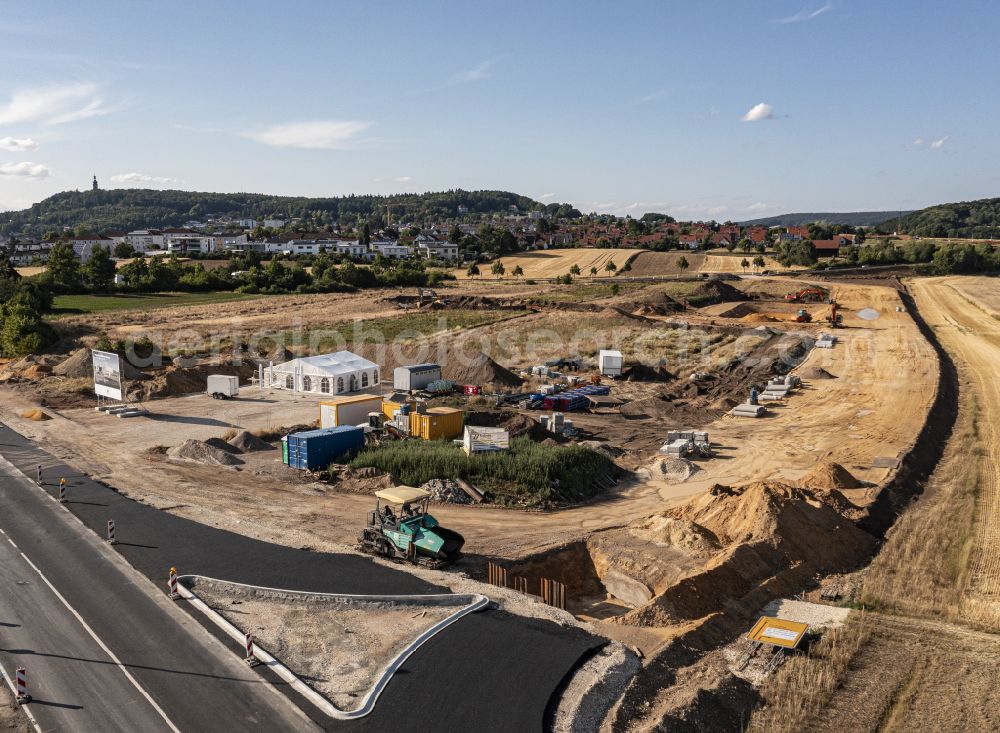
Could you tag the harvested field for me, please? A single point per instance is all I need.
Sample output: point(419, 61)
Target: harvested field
point(661, 264)
point(552, 263)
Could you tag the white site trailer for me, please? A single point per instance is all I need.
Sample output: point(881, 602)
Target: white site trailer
point(223, 386)
point(415, 376)
point(609, 362)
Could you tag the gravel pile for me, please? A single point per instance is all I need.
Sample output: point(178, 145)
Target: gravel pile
point(201, 452)
point(247, 442)
point(446, 491)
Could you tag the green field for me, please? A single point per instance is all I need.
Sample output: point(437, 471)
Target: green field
point(67, 305)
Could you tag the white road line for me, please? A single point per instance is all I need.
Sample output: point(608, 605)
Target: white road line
point(95, 637)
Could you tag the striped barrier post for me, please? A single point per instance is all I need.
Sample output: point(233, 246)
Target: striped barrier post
point(62, 491)
point(251, 659)
point(172, 584)
point(111, 532)
point(22, 687)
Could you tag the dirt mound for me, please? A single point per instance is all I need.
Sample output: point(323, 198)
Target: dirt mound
point(758, 318)
point(77, 364)
point(480, 370)
point(174, 381)
point(36, 371)
point(202, 452)
point(35, 415)
point(816, 373)
point(665, 530)
point(644, 373)
point(647, 407)
point(829, 475)
point(714, 291)
point(738, 311)
point(514, 423)
point(656, 303)
point(247, 442)
point(673, 469)
point(223, 446)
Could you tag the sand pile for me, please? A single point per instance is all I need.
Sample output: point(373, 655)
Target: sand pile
point(673, 469)
point(223, 446)
point(479, 369)
point(829, 475)
point(738, 311)
point(202, 452)
point(77, 364)
point(36, 415)
point(36, 371)
point(816, 373)
point(757, 318)
point(665, 530)
point(247, 442)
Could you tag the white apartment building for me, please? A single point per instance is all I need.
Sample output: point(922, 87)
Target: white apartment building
point(144, 240)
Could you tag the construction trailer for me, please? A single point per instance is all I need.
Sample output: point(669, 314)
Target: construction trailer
point(351, 410)
point(316, 449)
point(415, 376)
point(609, 362)
point(223, 386)
point(436, 423)
point(393, 403)
point(476, 439)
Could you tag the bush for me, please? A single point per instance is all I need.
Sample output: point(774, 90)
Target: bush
point(528, 474)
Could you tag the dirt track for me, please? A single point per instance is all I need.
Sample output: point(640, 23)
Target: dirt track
point(963, 313)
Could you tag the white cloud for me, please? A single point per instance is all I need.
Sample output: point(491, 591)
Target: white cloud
point(403, 179)
point(759, 206)
point(141, 178)
point(17, 144)
point(758, 112)
point(476, 73)
point(653, 96)
point(545, 196)
point(316, 135)
point(34, 171)
point(932, 144)
point(804, 15)
point(53, 105)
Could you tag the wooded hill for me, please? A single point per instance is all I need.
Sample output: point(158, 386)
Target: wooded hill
point(128, 209)
point(967, 219)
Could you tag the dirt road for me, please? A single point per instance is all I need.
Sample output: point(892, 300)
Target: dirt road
point(962, 311)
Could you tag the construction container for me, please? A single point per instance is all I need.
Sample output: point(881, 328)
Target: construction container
point(437, 423)
point(317, 449)
point(393, 403)
point(415, 376)
point(350, 410)
point(484, 440)
point(284, 450)
point(223, 385)
point(609, 362)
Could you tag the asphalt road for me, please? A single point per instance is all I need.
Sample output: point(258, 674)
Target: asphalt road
point(492, 671)
point(103, 650)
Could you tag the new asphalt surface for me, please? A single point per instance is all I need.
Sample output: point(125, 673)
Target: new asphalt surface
point(492, 671)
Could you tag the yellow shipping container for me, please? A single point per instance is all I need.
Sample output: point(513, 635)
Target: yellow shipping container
point(438, 423)
point(389, 407)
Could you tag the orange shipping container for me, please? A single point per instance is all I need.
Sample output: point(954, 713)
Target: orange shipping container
point(438, 423)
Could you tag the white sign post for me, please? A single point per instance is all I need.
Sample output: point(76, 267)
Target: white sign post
point(107, 375)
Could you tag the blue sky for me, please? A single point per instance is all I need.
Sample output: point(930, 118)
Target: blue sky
point(722, 109)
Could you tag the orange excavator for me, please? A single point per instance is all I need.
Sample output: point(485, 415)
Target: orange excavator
point(807, 295)
point(835, 319)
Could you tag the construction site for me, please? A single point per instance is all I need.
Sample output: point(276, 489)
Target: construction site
point(705, 473)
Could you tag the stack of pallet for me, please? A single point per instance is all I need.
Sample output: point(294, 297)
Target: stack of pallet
point(681, 443)
point(825, 341)
point(574, 399)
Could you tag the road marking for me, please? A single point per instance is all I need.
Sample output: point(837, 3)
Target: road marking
point(95, 637)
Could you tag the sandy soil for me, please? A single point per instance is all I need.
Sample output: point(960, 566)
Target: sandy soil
point(886, 379)
point(556, 262)
point(339, 648)
point(12, 720)
point(962, 311)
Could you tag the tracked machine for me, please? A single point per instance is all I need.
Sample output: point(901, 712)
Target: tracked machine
point(408, 532)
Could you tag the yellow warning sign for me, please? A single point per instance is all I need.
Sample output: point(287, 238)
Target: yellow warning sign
point(778, 632)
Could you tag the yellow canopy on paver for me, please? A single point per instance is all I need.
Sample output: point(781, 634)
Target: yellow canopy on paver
point(402, 494)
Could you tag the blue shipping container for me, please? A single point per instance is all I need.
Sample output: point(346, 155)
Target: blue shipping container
point(316, 449)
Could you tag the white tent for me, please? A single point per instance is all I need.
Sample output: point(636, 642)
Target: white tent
point(337, 373)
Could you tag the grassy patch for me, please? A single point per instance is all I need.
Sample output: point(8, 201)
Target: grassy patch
point(586, 292)
point(529, 474)
point(64, 305)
